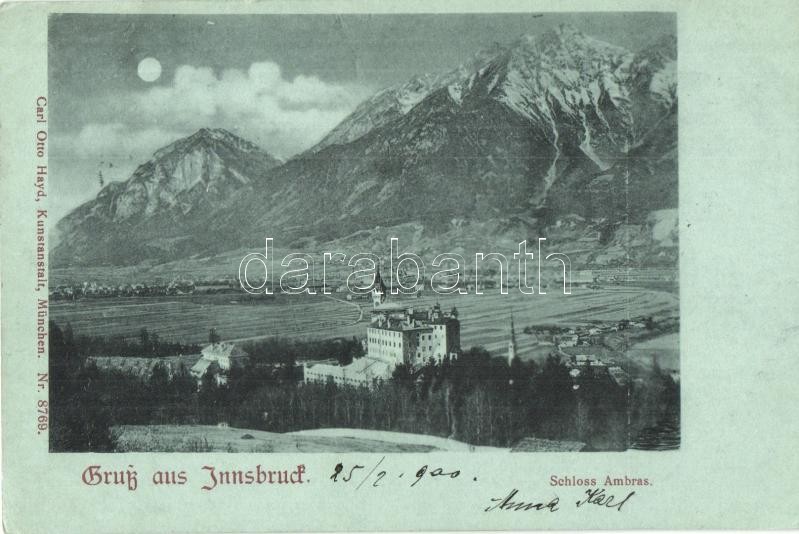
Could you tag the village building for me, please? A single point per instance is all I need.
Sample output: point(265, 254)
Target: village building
point(569, 340)
point(619, 376)
point(579, 278)
point(216, 360)
point(142, 367)
point(361, 372)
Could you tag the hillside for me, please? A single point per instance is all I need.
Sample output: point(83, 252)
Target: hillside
point(161, 210)
point(207, 438)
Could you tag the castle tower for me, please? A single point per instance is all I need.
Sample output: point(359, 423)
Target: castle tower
point(511, 342)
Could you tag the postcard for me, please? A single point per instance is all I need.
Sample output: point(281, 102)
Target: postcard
point(379, 266)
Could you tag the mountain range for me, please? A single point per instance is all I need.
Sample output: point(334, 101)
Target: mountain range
point(558, 127)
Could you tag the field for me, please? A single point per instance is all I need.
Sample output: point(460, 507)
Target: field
point(189, 318)
point(206, 438)
point(485, 319)
point(665, 348)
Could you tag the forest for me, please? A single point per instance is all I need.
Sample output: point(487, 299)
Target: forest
point(477, 399)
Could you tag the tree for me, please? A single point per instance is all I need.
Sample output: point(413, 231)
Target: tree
point(158, 388)
point(402, 375)
point(213, 337)
point(144, 337)
point(80, 420)
point(556, 406)
point(155, 343)
point(208, 399)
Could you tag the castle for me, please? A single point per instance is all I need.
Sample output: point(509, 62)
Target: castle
point(404, 335)
point(396, 335)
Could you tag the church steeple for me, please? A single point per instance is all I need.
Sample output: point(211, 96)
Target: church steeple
point(512, 342)
point(378, 290)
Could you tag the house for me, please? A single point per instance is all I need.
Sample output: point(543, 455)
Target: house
point(619, 376)
point(143, 366)
point(207, 367)
point(568, 340)
point(216, 359)
point(581, 277)
point(361, 372)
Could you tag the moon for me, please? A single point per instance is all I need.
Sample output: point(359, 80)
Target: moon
point(149, 69)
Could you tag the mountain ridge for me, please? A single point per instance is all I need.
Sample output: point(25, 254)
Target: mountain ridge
point(549, 125)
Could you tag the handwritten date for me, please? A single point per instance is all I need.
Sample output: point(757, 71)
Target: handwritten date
point(357, 473)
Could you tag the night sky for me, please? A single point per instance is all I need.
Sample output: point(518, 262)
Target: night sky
point(282, 81)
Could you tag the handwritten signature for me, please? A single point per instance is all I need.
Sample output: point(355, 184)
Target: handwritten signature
point(595, 496)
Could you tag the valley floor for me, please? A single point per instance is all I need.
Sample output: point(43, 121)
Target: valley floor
point(485, 319)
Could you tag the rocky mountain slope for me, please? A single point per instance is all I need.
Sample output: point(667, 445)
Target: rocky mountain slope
point(504, 146)
point(163, 202)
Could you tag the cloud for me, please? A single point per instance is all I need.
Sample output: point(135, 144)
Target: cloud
point(283, 116)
